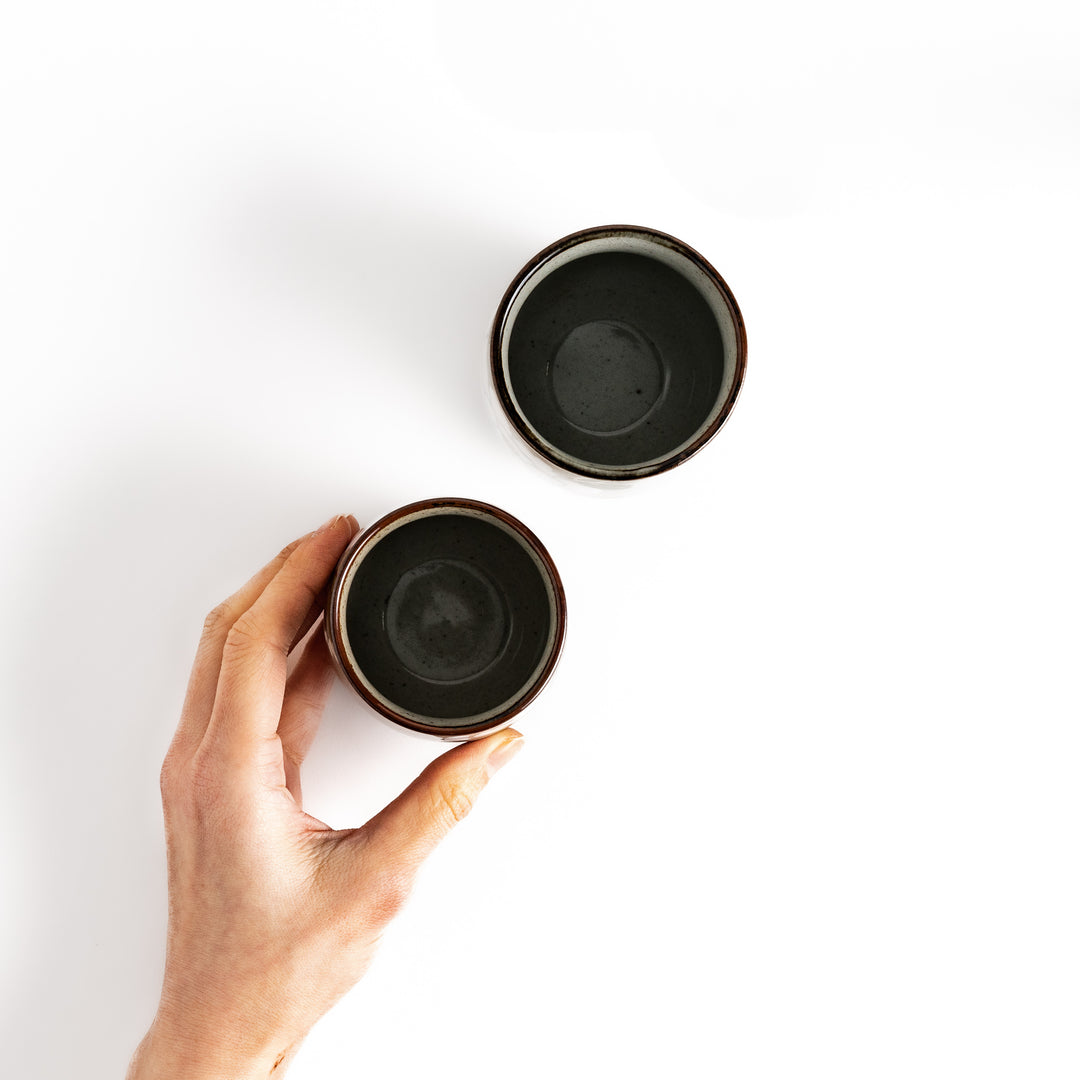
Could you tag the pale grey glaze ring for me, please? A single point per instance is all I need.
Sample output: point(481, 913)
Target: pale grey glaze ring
point(447, 616)
point(617, 352)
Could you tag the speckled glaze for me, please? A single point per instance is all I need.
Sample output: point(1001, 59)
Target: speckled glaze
point(447, 616)
point(618, 352)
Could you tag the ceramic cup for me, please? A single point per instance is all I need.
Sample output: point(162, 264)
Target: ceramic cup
point(618, 352)
point(447, 616)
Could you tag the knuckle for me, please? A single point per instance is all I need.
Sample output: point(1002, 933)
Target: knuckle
point(195, 790)
point(295, 580)
point(311, 591)
point(453, 800)
point(203, 778)
point(243, 634)
point(218, 619)
point(168, 779)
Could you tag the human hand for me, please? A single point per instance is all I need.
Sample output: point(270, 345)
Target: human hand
point(273, 915)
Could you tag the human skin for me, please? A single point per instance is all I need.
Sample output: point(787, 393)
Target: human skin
point(273, 915)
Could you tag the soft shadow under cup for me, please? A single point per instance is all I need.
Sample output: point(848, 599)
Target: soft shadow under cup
point(618, 352)
point(447, 616)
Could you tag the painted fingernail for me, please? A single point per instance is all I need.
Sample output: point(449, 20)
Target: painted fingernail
point(503, 753)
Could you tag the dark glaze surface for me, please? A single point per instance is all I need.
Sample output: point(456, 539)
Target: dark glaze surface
point(447, 617)
point(616, 358)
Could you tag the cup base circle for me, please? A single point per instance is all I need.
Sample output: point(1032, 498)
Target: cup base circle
point(446, 621)
point(606, 376)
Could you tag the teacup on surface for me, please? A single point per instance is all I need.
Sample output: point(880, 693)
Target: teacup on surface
point(617, 352)
point(447, 616)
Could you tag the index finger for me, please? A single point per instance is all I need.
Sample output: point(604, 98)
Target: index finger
point(202, 684)
point(251, 685)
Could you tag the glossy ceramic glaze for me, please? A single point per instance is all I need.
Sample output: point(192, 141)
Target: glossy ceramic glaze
point(618, 352)
point(447, 616)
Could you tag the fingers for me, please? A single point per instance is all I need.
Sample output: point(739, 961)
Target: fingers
point(202, 685)
point(251, 682)
point(306, 690)
point(313, 613)
point(404, 834)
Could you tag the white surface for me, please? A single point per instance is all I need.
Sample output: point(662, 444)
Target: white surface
point(801, 799)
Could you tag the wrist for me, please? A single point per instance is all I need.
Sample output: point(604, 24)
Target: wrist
point(168, 1051)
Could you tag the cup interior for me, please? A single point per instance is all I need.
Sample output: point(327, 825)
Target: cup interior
point(618, 352)
point(447, 616)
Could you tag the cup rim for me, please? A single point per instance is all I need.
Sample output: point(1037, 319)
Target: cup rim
point(561, 245)
point(334, 629)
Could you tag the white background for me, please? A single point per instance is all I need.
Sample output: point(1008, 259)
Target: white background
point(801, 798)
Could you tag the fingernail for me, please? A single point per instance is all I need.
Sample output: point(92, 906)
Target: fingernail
point(326, 526)
point(503, 753)
point(354, 523)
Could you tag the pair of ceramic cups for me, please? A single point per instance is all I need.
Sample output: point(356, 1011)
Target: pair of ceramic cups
point(616, 353)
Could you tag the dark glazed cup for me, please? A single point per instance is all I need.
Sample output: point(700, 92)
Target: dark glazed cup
point(618, 352)
point(447, 616)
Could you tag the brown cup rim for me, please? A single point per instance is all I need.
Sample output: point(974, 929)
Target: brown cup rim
point(334, 630)
point(564, 244)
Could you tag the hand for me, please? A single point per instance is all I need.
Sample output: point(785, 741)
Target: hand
point(273, 915)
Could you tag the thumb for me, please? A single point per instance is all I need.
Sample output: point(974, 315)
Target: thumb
point(403, 834)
